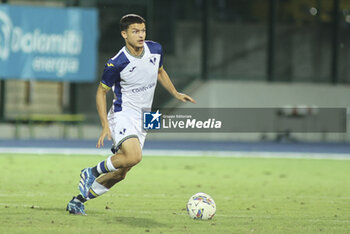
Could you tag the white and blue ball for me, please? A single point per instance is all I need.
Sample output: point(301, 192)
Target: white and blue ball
point(201, 206)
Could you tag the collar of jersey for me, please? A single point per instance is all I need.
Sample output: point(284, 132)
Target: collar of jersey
point(139, 56)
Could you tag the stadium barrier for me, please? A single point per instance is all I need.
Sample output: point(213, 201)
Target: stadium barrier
point(299, 112)
point(34, 119)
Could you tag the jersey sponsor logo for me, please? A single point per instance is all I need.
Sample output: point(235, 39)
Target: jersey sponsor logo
point(144, 88)
point(110, 65)
point(132, 69)
point(151, 120)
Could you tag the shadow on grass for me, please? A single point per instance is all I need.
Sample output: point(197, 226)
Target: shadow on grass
point(130, 221)
point(47, 209)
point(138, 222)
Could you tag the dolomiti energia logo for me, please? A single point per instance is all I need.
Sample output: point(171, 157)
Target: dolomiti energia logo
point(48, 43)
point(5, 33)
point(64, 46)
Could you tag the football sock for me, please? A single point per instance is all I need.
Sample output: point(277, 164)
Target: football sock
point(96, 190)
point(79, 198)
point(103, 167)
point(95, 171)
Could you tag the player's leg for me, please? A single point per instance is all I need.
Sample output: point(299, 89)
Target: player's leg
point(129, 145)
point(98, 187)
point(130, 153)
point(128, 156)
point(105, 182)
point(110, 179)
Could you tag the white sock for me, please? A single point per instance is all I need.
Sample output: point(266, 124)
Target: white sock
point(110, 164)
point(106, 166)
point(96, 190)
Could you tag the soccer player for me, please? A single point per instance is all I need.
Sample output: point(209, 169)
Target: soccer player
point(132, 74)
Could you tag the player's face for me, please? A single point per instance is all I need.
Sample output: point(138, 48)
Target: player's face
point(135, 35)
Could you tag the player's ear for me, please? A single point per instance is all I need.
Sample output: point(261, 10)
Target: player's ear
point(124, 35)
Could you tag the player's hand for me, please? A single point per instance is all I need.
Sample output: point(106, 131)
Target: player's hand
point(184, 98)
point(105, 132)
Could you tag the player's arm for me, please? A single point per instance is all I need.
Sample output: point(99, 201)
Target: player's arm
point(101, 105)
point(164, 79)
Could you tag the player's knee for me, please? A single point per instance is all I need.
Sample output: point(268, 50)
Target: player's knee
point(132, 151)
point(134, 158)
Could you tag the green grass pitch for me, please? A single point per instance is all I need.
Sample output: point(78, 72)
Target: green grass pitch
point(253, 195)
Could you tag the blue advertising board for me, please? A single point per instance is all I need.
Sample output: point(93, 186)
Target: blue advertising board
point(48, 43)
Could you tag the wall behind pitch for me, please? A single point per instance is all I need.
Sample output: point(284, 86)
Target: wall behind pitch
point(263, 94)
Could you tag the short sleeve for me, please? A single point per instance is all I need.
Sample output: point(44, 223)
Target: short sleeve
point(161, 57)
point(110, 75)
point(156, 48)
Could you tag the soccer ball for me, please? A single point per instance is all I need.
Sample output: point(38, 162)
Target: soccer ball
point(201, 206)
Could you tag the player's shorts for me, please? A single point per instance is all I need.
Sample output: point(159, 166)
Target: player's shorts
point(124, 126)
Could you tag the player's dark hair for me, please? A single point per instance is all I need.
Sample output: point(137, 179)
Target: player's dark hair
point(129, 19)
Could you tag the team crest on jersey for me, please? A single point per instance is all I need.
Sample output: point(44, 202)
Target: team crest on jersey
point(153, 60)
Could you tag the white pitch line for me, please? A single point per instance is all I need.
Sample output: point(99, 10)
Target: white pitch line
point(193, 153)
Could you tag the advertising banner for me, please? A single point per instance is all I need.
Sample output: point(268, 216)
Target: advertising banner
point(48, 43)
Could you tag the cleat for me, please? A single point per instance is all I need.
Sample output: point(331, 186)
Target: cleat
point(75, 207)
point(87, 178)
